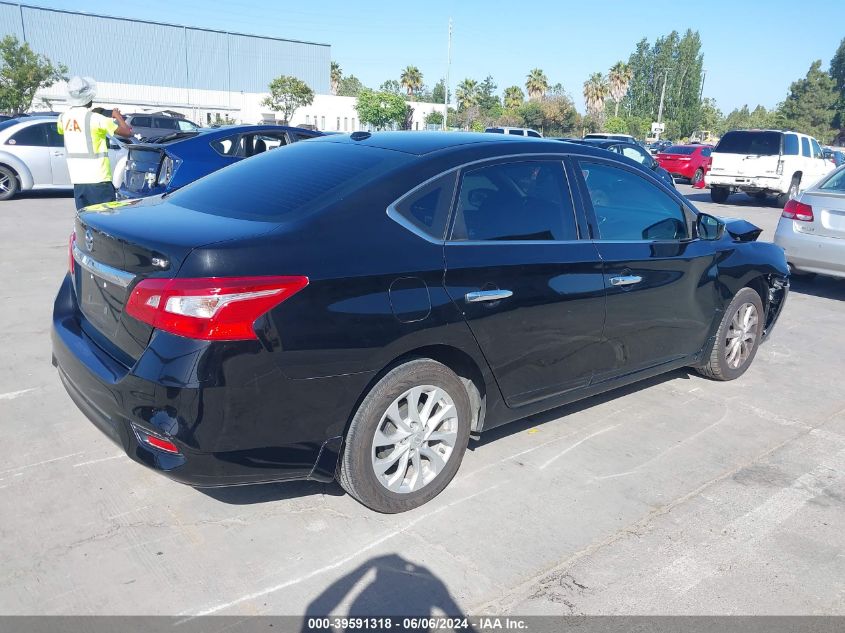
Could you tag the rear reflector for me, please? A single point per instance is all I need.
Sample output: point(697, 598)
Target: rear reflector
point(795, 210)
point(161, 444)
point(211, 309)
point(70, 263)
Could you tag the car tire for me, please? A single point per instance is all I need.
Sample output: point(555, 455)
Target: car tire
point(9, 184)
point(783, 198)
point(719, 194)
point(369, 472)
point(697, 176)
point(737, 339)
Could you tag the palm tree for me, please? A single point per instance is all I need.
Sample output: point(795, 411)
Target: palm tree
point(619, 79)
point(595, 94)
point(513, 97)
point(467, 93)
point(536, 84)
point(411, 79)
point(336, 76)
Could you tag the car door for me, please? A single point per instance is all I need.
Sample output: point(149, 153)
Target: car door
point(820, 165)
point(660, 281)
point(58, 156)
point(530, 290)
point(30, 145)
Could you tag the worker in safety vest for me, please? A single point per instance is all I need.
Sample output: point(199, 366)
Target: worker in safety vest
point(85, 130)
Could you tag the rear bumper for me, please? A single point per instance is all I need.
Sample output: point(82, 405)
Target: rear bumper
point(811, 253)
point(225, 437)
point(748, 183)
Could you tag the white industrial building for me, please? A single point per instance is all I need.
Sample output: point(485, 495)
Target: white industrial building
point(206, 75)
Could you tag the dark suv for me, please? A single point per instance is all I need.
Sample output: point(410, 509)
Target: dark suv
point(147, 125)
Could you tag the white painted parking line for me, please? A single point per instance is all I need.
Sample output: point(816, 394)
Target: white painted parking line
point(46, 461)
point(577, 444)
point(97, 461)
point(11, 395)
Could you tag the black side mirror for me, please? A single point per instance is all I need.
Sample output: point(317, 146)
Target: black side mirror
point(709, 228)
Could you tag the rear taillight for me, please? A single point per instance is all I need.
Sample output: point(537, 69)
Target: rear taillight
point(71, 266)
point(212, 309)
point(165, 172)
point(795, 210)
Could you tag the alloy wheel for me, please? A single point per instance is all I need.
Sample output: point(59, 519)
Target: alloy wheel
point(741, 336)
point(414, 439)
point(5, 183)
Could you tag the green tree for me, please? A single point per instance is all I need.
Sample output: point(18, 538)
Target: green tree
point(392, 86)
point(434, 118)
point(467, 94)
point(381, 109)
point(711, 117)
point(616, 125)
point(336, 74)
point(559, 114)
point(287, 95)
point(595, 93)
point(411, 80)
point(438, 93)
point(532, 114)
point(488, 101)
point(811, 104)
point(22, 73)
point(619, 79)
point(513, 97)
point(536, 83)
point(349, 86)
point(837, 68)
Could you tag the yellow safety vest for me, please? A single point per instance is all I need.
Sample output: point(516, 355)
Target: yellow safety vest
point(86, 145)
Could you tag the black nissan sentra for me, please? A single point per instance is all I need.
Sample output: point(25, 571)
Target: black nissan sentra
point(359, 306)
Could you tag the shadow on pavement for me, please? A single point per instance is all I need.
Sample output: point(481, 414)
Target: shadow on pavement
point(818, 286)
point(735, 200)
point(382, 586)
point(269, 493)
point(44, 193)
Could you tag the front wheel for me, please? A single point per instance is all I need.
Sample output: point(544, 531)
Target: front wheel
point(737, 339)
point(408, 437)
point(719, 194)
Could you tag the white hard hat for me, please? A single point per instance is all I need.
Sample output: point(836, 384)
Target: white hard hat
point(81, 90)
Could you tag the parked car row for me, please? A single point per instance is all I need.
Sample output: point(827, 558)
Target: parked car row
point(356, 306)
point(634, 151)
point(691, 162)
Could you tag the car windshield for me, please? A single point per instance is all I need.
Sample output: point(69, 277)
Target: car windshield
point(750, 142)
point(836, 182)
point(679, 149)
point(296, 178)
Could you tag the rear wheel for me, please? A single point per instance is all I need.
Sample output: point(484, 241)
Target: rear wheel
point(697, 176)
point(737, 339)
point(8, 183)
point(407, 438)
point(719, 194)
point(790, 193)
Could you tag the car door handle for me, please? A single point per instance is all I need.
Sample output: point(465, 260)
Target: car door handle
point(487, 295)
point(625, 280)
point(58, 153)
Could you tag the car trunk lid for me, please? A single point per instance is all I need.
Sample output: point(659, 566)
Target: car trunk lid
point(119, 244)
point(828, 213)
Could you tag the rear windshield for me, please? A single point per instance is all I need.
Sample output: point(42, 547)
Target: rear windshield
point(295, 178)
point(679, 149)
point(836, 182)
point(750, 142)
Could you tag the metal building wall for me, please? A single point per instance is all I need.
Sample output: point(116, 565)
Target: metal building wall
point(129, 51)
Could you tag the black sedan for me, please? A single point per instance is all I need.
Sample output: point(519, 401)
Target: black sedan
point(634, 151)
point(358, 306)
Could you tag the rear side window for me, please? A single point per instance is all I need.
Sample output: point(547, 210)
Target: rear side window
point(517, 132)
point(427, 209)
point(679, 149)
point(805, 146)
point(31, 136)
point(630, 208)
point(141, 121)
point(525, 200)
point(790, 145)
point(836, 182)
point(228, 146)
point(275, 186)
point(496, 130)
point(164, 123)
point(750, 142)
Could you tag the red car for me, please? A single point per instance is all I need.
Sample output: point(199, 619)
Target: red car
point(686, 161)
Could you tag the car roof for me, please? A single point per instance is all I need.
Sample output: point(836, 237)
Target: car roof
point(598, 142)
point(421, 143)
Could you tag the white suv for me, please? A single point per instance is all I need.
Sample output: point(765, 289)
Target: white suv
point(765, 162)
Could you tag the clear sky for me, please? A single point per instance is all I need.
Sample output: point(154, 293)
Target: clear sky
point(753, 49)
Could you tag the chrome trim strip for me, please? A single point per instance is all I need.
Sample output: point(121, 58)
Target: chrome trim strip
point(114, 275)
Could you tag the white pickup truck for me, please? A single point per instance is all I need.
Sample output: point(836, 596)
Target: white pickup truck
point(765, 162)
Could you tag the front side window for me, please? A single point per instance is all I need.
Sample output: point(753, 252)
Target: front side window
point(54, 139)
point(30, 136)
point(628, 207)
point(164, 123)
point(525, 200)
point(533, 133)
point(817, 150)
point(427, 209)
point(186, 126)
point(805, 146)
point(633, 152)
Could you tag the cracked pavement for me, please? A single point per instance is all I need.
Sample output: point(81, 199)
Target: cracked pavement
point(678, 495)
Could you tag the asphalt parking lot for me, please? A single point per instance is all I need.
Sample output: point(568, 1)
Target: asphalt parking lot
point(679, 495)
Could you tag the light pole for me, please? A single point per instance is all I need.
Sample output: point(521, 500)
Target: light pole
point(446, 83)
